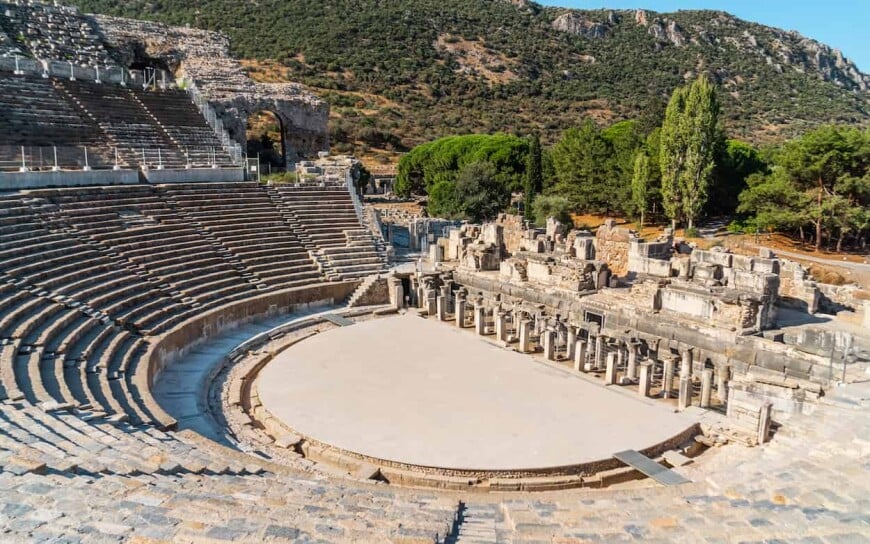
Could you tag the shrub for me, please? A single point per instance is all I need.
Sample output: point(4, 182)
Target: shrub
point(558, 207)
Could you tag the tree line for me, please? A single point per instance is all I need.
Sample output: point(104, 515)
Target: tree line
point(674, 163)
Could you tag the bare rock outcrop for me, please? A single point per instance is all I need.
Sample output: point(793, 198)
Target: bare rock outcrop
point(576, 23)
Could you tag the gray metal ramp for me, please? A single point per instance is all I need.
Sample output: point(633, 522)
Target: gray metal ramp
point(657, 472)
point(338, 320)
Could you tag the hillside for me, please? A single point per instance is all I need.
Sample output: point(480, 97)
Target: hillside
point(400, 73)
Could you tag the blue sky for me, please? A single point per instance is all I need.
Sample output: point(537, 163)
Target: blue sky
point(842, 24)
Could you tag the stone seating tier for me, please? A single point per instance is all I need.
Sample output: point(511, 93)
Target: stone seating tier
point(88, 276)
point(104, 118)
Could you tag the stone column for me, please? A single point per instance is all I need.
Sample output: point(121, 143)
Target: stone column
point(447, 294)
point(620, 356)
point(571, 342)
point(548, 340)
point(442, 308)
point(431, 305)
point(599, 352)
point(668, 378)
point(525, 335)
point(723, 375)
point(631, 370)
point(645, 380)
point(480, 320)
point(580, 356)
point(610, 372)
point(460, 312)
point(398, 295)
point(501, 326)
point(685, 398)
point(686, 364)
point(706, 387)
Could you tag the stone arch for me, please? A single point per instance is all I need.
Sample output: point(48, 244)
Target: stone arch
point(281, 131)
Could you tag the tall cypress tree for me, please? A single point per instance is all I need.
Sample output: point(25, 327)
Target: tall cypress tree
point(534, 182)
point(640, 184)
point(687, 150)
point(672, 156)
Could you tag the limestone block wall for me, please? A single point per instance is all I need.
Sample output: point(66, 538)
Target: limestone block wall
point(612, 244)
point(513, 231)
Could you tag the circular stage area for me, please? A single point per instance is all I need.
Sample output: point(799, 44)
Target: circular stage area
point(418, 392)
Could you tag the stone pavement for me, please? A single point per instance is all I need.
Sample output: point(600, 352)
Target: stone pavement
point(65, 479)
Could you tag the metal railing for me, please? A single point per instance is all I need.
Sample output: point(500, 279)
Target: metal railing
point(17, 158)
point(230, 146)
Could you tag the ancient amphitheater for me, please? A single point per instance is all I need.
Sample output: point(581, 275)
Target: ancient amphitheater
point(187, 356)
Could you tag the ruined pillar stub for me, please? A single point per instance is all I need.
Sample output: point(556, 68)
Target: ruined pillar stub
point(571, 343)
point(645, 379)
point(610, 372)
point(431, 305)
point(764, 414)
point(480, 320)
point(398, 295)
point(668, 378)
point(685, 398)
point(580, 356)
point(706, 387)
point(548, 339)
point(442, 308)
point(501, 326)
point(460, 312)
point(525, 335)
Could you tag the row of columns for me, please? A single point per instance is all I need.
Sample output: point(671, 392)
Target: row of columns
point(618, 360)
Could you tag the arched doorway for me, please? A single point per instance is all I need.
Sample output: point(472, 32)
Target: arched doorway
point(266, 137)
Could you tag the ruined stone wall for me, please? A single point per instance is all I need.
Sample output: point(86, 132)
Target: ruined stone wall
point(204, 58)
point(612, 245)
point(514, 230)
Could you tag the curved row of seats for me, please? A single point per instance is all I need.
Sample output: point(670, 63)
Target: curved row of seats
point(89, 276)
point(104, 481)
point(153, 127)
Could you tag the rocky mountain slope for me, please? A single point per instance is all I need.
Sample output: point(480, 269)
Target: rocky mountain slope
point(398, 73)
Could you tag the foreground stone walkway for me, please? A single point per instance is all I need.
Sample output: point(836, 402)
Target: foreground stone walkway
point(810, 484)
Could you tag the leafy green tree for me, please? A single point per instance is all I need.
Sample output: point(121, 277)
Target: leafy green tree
point(624, 139)
point(534, 183)
point(774, 201)
point(558, 207)
point(640, 184)
point(443, 201)
point(821, 181)
point(441, 160)
point(481, 196)
point(736, 161)
point(579, 161)
point(688, 144)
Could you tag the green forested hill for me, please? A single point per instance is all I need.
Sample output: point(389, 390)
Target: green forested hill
point(405, 71)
